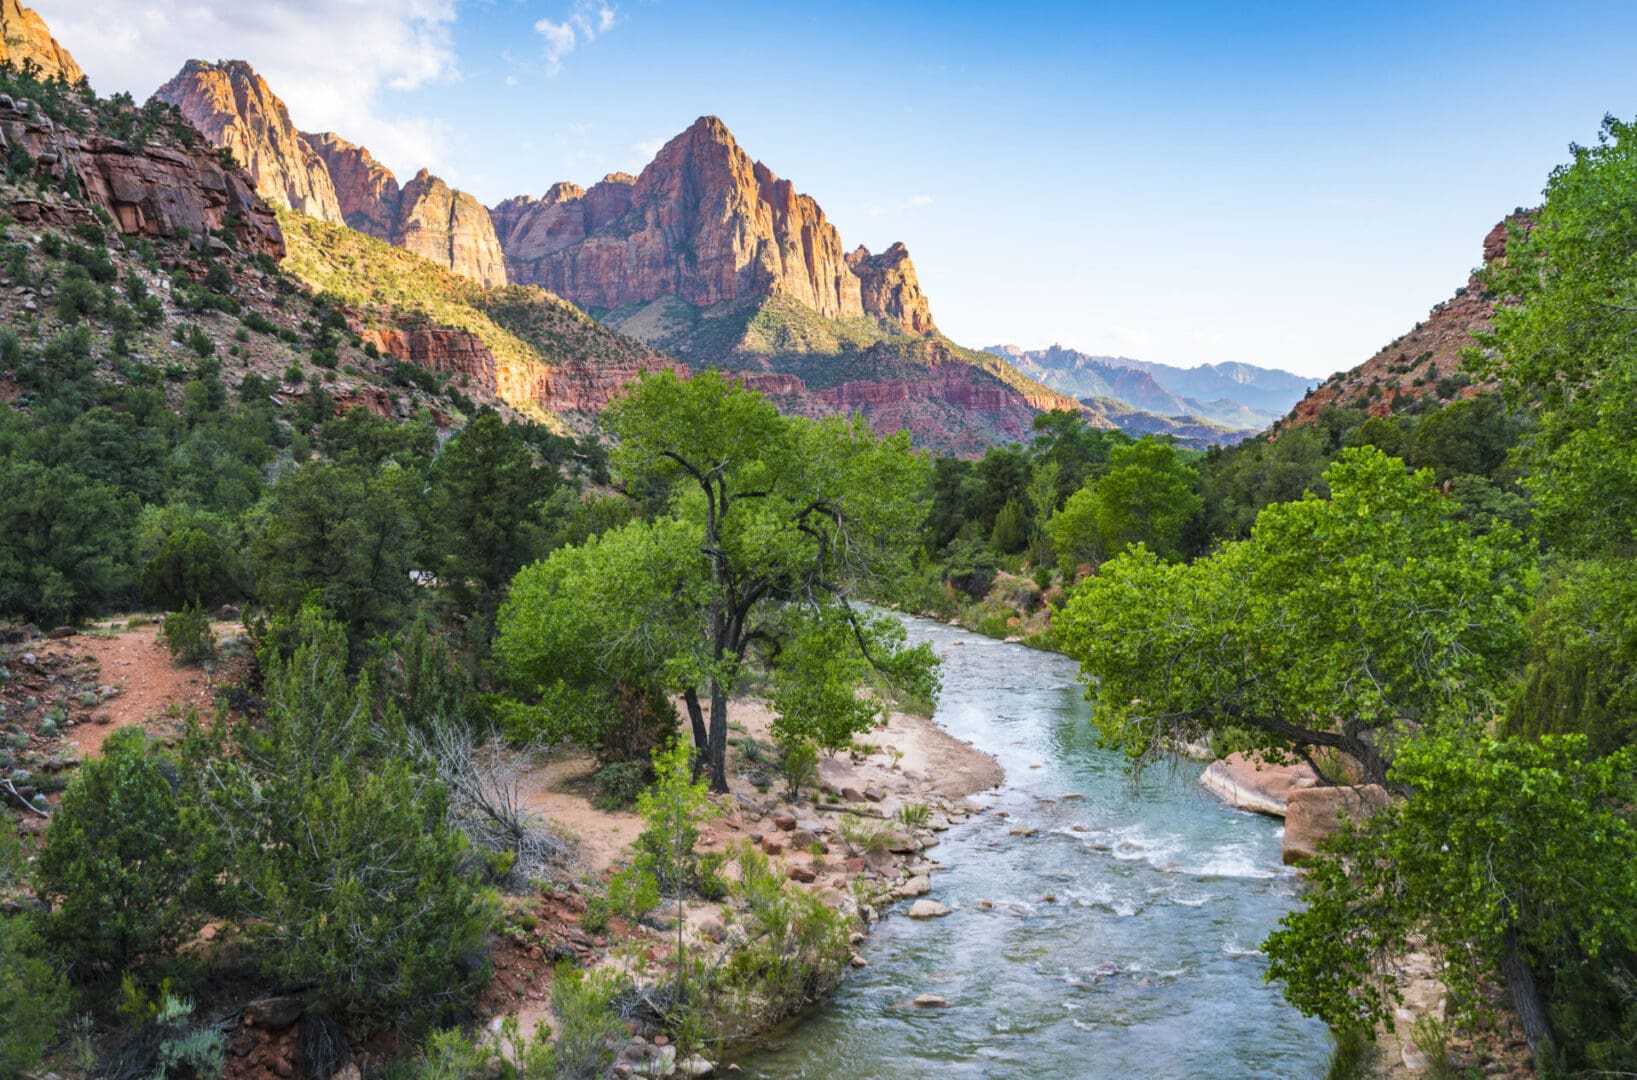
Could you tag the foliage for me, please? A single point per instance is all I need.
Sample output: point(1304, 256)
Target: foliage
point(618, 785)
point(586, 1023)
point(1508, 847)
point(191, 567)
point(1338, 624)
point(1146, 497)
point(119, 862)
point(799, 767)
point(33, 998)
point(188, 636)
point(60, 535)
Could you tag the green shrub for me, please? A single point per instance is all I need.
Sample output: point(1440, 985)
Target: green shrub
point(188, 636)
point(119, 862)
point(587, 1025)
point(799, 768)
point(619, 784)
point(33, 998)
point(192, 567)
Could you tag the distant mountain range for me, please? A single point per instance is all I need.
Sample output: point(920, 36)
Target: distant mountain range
point(1242, 397)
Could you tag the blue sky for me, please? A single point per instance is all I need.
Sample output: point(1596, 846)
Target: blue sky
point(1283, 184)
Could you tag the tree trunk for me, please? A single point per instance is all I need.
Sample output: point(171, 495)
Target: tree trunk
point(717, 756)
point(701, 740)
point(1537, 1026)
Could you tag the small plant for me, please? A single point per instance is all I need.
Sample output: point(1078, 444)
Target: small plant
point(915, 815)
point(598, 911)
point(187, 635)
point(799, 768)
point(587, 1026)
point(618, 785)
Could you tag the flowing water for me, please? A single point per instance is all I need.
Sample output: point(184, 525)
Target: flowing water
point(1145, 965)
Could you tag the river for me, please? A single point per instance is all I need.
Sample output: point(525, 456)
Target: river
point(1144, 964)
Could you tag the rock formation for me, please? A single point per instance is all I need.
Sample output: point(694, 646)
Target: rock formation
point(25, 39)
point(450, 228)
point(890, 288)
point(153, 191)
point(233, 107)
point(366, 190)
point(706, 224)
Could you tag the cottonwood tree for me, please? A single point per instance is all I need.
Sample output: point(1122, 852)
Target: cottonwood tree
point(1342, 623)
point(771, 525)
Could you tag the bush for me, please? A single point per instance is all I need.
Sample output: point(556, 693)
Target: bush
point(586, 1022)
point(799, 767)
point(188, 636)
point(119, 862)
point(33, 999)
point(618, 785)
point(192, 567)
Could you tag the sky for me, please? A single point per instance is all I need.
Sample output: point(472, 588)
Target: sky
point(1285, 184)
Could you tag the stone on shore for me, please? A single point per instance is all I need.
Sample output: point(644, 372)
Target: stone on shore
point(1315, 813)
point(927, 909)
point(1247, 783)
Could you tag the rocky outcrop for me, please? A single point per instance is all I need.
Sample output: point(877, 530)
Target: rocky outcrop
point(1247, 783)
point(1425, 361)
point(154, 191)
point(889, 288)
point(1314, 813)
point(232, 106)
point(26, 40)
point(365, 190)
point(706, 224)
point(570, 385)
point(450, 228)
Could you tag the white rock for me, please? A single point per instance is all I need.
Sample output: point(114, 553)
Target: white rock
point(927, 909)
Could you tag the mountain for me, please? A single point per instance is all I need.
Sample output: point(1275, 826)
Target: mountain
point(1238, 396)
point(328, 178)
point(1190, 431)
point(232, 106)
point(1424, 362)
point(707, 225)
point(25, 39)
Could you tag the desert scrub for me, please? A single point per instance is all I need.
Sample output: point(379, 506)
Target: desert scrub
point(187, 635)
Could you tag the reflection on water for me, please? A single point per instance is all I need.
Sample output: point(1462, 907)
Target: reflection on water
point(1120, 939)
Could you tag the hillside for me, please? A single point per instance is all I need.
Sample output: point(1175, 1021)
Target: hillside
point(1425, 362)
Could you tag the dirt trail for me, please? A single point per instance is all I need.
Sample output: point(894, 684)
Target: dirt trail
point(149, 683)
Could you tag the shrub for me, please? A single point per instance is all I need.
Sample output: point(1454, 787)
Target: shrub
point(587, 1025)
point(119, 862)
point(188, 636)
point(192, 567)
point(799, 767)
point(618, 785)
point(33, 998)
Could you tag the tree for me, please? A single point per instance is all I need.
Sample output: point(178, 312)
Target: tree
point(33, 996)
point(343, 536)
point(1561, 346)
point(1340, 623)
point(772, 522)
point(119, 862)
point(1146, 497)
point(61, 542)
point(1512, 858)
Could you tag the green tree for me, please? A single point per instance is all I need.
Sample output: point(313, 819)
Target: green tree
point(772, 521)
point(1146, 497)
point(119, 862)
point(1340, 623)
point(62, 542)
point(1512, 858)
point(33, 996)
point(191, 567)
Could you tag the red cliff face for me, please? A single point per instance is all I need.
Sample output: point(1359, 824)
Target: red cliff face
point(26, 39)
point(232, 106)
point(1412, 366)
point(890, 288)
point(365, 190)
point(706, 224)
point(450, 228)
point(154, 191)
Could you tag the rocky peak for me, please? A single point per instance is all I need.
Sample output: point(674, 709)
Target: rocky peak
point(449, 227)
point(234, 107)
point(705, 224)
point(366, 191)
point(25, 38)
point(890, 290)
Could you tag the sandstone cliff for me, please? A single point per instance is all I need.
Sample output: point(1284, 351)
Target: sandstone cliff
point(1425, 361)
point(366, 191)
point(25, 39)
point(706, 224)
point(232, 106)
point(151, 191)
point(449, 227)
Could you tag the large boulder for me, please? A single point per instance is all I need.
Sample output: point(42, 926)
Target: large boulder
point(1317, 812)
point(1246, 782)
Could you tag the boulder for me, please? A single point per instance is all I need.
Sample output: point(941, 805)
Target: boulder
point(1315, 813)
point(927, 909)
point(800, 873)
point(929, 1001)
point(277, 1011)
point(1247, 783)
point(919, 885)
point(62, 632)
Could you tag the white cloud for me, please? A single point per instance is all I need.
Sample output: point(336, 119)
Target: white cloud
point(332, 61)
point(914, 202)
point(587, 20)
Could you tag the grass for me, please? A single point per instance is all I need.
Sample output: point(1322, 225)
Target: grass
point(1351, 1054)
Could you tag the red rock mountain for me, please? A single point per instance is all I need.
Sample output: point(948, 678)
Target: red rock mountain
point(25, 38)
point(706, 224)
point(1424, 361)
point(331, 179)
point(232, 106)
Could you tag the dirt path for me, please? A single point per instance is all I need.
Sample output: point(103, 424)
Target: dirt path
point(149, 684)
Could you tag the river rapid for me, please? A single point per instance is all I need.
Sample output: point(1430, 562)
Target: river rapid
point(1121, 941)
